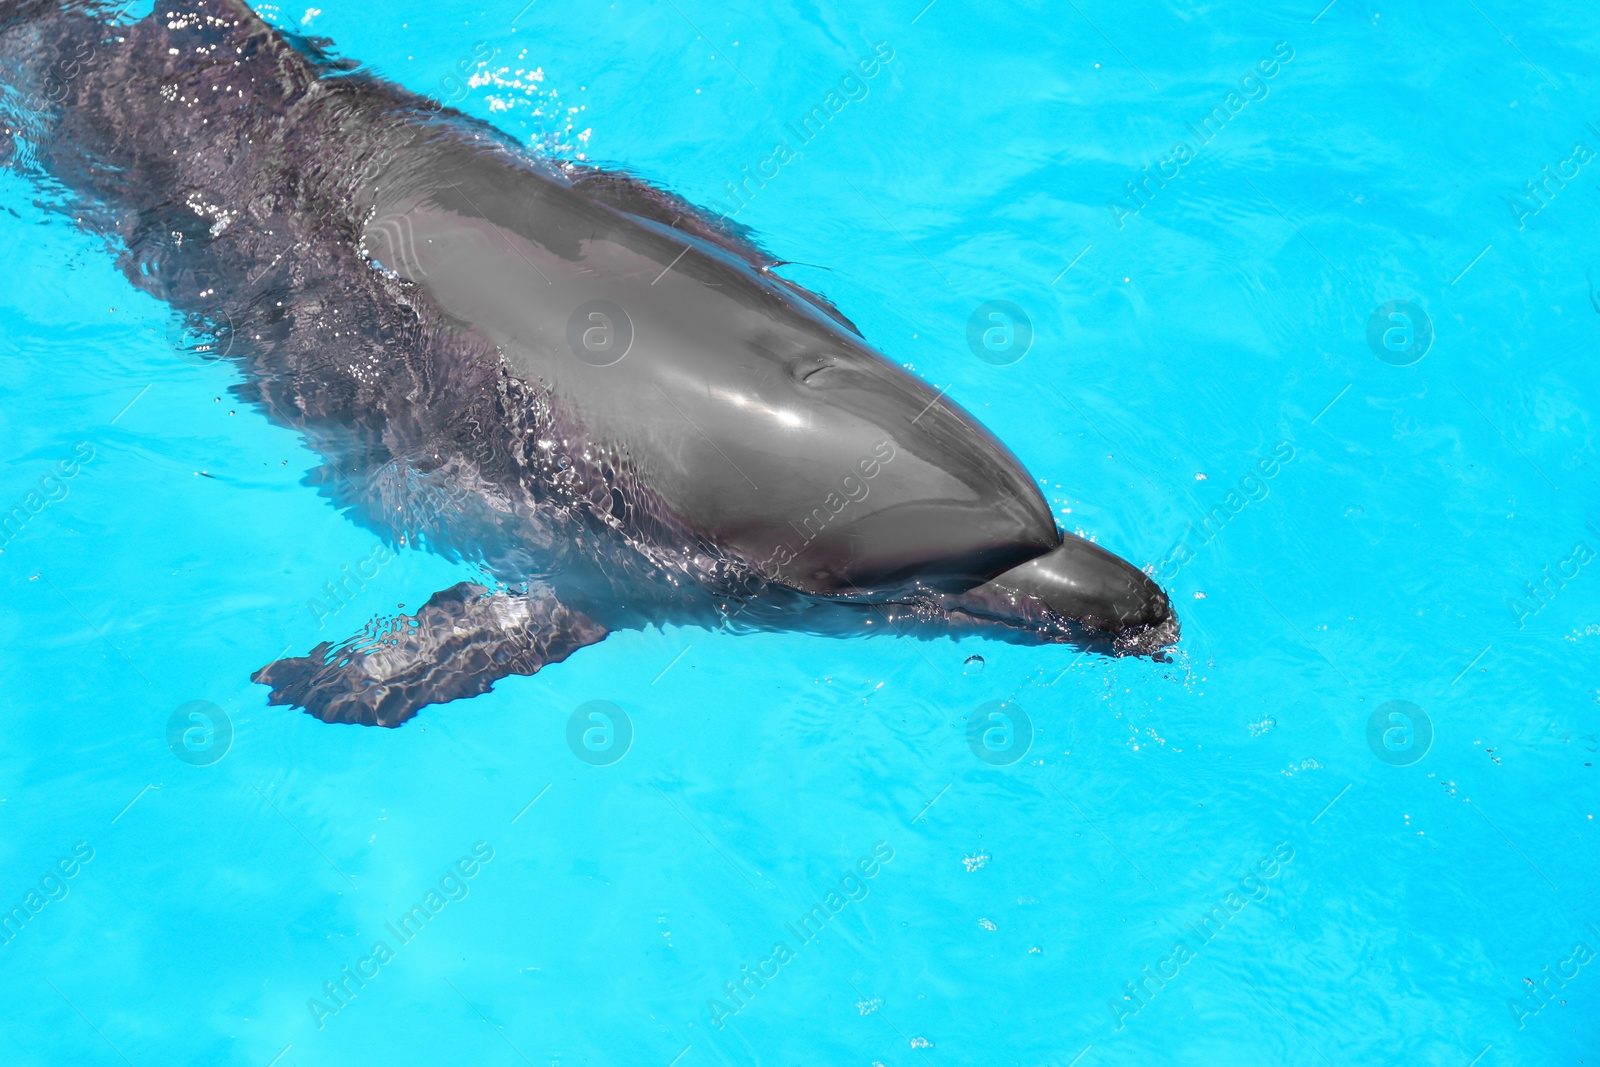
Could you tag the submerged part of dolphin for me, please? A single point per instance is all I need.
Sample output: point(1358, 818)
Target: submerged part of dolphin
point(599, 395)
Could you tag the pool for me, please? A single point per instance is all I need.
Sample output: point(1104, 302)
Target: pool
point(1309, 319)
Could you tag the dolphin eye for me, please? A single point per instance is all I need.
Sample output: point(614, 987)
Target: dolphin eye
point(806, 371)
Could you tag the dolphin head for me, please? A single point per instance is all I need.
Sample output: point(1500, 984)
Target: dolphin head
point(752, 417)
point(758, 418)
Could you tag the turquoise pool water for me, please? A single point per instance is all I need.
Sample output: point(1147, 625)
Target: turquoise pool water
point(1328, 370)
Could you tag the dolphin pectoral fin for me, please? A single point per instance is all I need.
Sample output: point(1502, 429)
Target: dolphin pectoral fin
point(458, 644)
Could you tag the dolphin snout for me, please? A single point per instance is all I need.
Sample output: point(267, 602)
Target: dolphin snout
point(1082, 582)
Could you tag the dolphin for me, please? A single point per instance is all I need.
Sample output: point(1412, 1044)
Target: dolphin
point(603, 398)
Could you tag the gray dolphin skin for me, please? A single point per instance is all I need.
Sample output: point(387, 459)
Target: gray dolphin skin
point(603, 398)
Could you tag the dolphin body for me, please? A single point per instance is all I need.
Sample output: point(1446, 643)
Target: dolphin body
point(601, 396)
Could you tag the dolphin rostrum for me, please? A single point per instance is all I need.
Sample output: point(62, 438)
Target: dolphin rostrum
point(602, 397)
